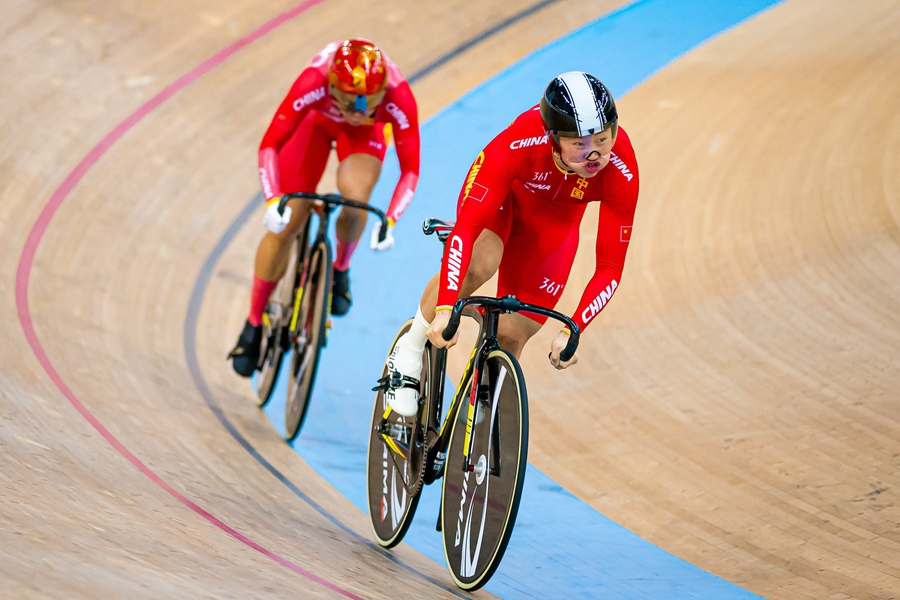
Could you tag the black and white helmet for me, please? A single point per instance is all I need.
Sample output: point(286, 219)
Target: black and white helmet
point(577, 104)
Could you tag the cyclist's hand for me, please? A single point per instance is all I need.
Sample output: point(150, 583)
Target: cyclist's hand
point(273, 221)
point(435, 331)
point(557, 346)
point(388, 242)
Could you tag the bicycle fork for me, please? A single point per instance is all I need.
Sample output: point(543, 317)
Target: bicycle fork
point(481, 406)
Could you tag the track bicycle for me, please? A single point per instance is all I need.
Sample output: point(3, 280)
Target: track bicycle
point(480, 447)
point(297, 315)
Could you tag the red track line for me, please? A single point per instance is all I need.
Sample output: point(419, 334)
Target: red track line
point(26, 261)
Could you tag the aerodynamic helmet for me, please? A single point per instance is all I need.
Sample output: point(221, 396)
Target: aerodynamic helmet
point(576, 104)
point(358, 75)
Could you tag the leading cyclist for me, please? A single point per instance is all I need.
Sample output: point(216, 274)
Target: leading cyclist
point(519, 212)
point(343, 99)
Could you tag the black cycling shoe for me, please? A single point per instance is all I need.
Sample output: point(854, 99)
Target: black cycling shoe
point(245, 356)
point(340, 293)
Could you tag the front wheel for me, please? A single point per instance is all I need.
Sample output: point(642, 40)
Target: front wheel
point(480, 503)
point(396, 460)
point(276, 334)
point(308, 330)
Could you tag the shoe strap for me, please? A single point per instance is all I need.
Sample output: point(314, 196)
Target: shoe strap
point(395, 381)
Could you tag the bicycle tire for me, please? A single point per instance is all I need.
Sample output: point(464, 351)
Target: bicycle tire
point(308, 338)
point(390, 511)
point(276, 337)
point(479, 502)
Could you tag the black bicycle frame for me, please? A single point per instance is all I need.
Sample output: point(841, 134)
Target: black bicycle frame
point(488, 315)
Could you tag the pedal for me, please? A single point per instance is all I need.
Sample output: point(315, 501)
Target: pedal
point(395, 381)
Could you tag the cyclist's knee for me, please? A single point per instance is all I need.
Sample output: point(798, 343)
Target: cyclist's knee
point(480, 270)
point(476, 276)
point(514, 331)
point(299, 216)
point(513, 344)
point(281, 239)
point(357, 175)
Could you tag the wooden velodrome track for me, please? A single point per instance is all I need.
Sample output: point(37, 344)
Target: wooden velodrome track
point(737, 405)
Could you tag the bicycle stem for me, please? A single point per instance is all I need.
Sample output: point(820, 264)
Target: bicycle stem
point(511, 304)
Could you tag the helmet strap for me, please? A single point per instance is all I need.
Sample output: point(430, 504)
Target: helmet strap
point(569, 170)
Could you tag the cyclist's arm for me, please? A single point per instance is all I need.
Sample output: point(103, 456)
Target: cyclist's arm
point(307, 92)
point(613, 236)
point(401, 106)
point(486, 186)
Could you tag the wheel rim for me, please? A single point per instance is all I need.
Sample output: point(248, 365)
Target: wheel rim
point(278, 311)
point(310, 336)
point(479, 508)
point(272, 355)
point(394, 483)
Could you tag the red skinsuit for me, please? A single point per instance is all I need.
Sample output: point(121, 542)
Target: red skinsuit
point(515, 189)
point(295, 148)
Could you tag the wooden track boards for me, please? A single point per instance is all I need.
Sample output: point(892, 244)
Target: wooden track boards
point(748, 365)
point(111, 280)
point(737, 402)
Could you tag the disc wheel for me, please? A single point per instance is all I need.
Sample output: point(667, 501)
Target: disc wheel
point(308, 337)
point(479, 506)
point(394, 481)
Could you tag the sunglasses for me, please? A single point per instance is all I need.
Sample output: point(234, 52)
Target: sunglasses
point(352, 102)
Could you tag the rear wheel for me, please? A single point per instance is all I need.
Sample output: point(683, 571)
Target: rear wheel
point(479, 505)
point(308, 333)
point(395, 466)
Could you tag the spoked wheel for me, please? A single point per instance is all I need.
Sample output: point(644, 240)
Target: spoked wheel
point(276, 337)
point(396, 461)
point(479, 505)
point(309, 329)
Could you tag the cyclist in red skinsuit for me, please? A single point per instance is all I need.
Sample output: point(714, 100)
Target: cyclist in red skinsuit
point(519, 213)
point(535, 208)
point(343, 99)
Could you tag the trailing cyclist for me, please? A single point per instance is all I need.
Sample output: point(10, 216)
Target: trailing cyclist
point(519, 213)
point(344, 98)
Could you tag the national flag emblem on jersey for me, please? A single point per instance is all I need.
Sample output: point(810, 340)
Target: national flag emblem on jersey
point(625, 233)
point(477, 192)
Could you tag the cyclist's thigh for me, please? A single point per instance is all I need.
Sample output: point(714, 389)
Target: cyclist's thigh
point(539, 253)
point(357, 174)
point(487, 252)
point(360, 150)
point(489, 247)
point(303, 157)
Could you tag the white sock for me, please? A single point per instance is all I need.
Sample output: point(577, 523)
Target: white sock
point(412, 344)
point(416, 336)
point(407, 358)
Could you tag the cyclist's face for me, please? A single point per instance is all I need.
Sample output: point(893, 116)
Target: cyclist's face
point(589, 154)
point(347, 103)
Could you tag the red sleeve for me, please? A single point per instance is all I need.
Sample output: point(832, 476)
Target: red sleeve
point(401, 106)
point(613, 237)
point(486, 187)
point(306, 93)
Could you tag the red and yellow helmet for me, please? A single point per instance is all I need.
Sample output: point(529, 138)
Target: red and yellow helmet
point(358, 68)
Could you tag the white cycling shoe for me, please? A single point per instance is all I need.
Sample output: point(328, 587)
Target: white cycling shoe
point(404, 400)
